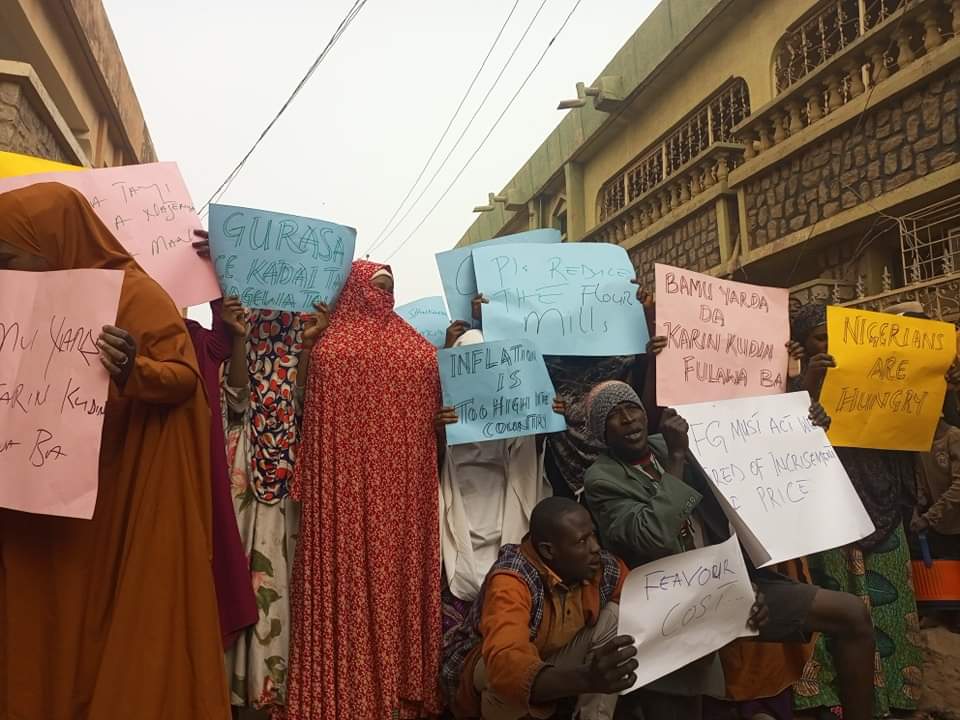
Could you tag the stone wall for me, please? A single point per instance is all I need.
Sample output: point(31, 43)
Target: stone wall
point(22, 130)
point(904, 138)
point(691, 243)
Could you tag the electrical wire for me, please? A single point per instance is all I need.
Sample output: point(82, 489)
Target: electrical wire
point(463, 133)
point(446, 130)
point(341, 29)
point(489, 132)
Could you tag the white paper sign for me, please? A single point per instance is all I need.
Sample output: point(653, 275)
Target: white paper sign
point(684, 607)
point(776, 476)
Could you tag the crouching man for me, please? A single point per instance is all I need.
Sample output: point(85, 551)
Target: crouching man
point(543, 628)
point(651, 499)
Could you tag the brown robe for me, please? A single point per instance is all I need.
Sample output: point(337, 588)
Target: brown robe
point(116, 617)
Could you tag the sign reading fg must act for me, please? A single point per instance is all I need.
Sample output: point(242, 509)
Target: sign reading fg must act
point(275, 261)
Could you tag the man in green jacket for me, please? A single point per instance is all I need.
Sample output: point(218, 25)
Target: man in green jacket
point(651, 499)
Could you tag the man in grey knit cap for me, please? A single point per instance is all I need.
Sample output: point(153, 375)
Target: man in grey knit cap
point(651, 499)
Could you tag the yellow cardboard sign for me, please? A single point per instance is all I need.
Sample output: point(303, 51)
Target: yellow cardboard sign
point(14, 165)
point(887, 389)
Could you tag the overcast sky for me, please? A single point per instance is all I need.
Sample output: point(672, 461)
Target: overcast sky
point(211, 73)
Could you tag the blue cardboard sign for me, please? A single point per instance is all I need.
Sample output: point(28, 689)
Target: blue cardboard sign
point(575, 299)
point(499, 390)
point(274, 261)
point(428, 316)
point(457, 275)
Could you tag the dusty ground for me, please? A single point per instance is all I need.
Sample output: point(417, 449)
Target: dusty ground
point(942, 674)
point(941, 696)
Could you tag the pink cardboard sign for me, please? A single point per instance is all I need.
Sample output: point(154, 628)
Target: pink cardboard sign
point(149, 210)
point(53, 388)
point(725, 339)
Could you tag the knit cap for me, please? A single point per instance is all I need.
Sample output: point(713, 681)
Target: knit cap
point(601, 401)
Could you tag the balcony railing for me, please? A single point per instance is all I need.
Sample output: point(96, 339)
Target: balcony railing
point(699, 175)
point(711, 122)
point(889, 45)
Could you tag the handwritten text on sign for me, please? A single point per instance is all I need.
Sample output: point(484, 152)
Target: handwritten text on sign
point(724, 339)
point(685, 606)
point(53, 388)
point(274, 261)
point(887, 389)
point(567, 299)
point(776, 475)
point(428, 317)
point(457, 274)
point(148, 209)
point(499, 390)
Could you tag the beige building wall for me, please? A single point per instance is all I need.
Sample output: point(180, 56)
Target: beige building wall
point(65, 93)
point(738, 43)
point(843, 185)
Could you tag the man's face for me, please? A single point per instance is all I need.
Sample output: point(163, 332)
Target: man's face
point(816, 343)
point(574, 554)
point(627, 431)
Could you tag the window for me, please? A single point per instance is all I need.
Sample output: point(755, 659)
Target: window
point(711, 122)
point(930, 242)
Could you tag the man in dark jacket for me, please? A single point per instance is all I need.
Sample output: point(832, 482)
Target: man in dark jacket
point(650, 499)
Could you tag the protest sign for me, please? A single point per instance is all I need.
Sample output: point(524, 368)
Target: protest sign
point(684, 607)
point(274, 261)
point(499, 390)
point(567, 299)
point(53, 388)
point(428, 316)
point(776, 476)
point(14, 165)
point(148, 209)
point(725, 339)
point(457, 275)
point(887, 389)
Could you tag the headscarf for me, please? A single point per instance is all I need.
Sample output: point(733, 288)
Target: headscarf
point(144, 558)
point(368, 558)
point(806, 320)
point(602, 400)
point(273, 353)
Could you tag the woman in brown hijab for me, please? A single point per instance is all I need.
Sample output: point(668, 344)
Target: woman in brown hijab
point(115, 617)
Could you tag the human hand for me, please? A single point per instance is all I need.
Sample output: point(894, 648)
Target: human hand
point(759, 613)
point(816, 371)
point(919, 523)
point(118, 350)
point(560, 406)
point(818, 415)
point(314, 325)
point(674, 430)
point(234, 316)
point(643, 297)
point(611, 669)
point(445, 416)
point(657, 344)
point(476, 307)
point(202, 246)
point(953, 375)
point(454, 331)
point(796, 352)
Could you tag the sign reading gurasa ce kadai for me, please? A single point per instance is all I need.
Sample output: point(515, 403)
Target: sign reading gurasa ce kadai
point(887, 389)
point(53, 388)
point(149, 210)
point(277, 261)
point(725, 339)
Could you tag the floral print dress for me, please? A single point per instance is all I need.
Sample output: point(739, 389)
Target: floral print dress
point(262, 442)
